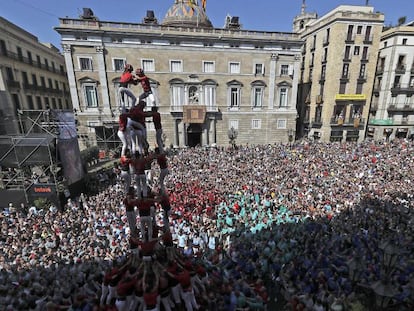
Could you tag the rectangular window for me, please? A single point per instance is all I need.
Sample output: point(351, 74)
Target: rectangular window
point(258, 97)
point(342, 88)
point(368, 33)
point(325, 55)
point(234, 67)
point(234, 97)
point(176, 66)
point(281, 123)
point(30, 58)
point(60, 104)
point(9, 74)
point(259, 69)
point(46, 63)
point(148, 65)
point(234, 124)
point(39, 102)
point(359, 88)
point(85, 63)
point(412, 81)
point(345, 69)
point(19, 53)
point(347, 52)
point(177, 95)
point(365, 53)
point(208, 67)
point(16, 101)
point(34, 79)
point(256, 124)
point(284, 70)
point(209, 92)
point(43, 81)
point(119, 64)
point(91, 96)
point(349, 36)
point(359, 30)
point(323, 72)
point(283, 100)
point(53, 66)
point(54, 103)
point(3, 48)
point(47, 103)
point(56, 85)
point(30, 103)
point(25, 78)
point(39, 63)
point(356, 50)
point(50, 83)
point(404, 41)
point(362, 71)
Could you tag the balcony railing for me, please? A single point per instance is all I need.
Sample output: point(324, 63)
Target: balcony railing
point(402, 88)
point(317, 122)
point(400, 108)
point(13, 84)
point(400, 69)
point(31, 62)
point(350, 38)
point(351, 121)
point(179, 108)
point(368, 39)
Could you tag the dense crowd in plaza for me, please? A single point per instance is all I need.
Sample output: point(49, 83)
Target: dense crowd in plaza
point(250, 225)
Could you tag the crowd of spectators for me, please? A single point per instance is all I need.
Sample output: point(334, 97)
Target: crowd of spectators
point(304, 225)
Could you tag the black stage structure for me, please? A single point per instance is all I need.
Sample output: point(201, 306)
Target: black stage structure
point(43, 161)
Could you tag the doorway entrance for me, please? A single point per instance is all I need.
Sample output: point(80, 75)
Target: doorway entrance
point(194, 131)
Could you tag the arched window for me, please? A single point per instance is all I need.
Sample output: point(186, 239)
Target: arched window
point(283, 94)
point(234, 94)
point(258, 87)
point(90, 93)
point(177, 94)
point(209, 88)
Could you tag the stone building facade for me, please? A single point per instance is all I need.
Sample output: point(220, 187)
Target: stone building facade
point(206, 80)
point(337, 72)
point(392, 106)
point(32, 77)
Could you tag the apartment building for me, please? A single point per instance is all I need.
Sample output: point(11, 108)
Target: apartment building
point(32, 77)
point(392, 107)
point(208, 82)
point(339, 58)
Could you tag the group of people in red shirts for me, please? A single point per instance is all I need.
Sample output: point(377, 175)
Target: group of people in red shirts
point(132, 119)
point(155, 271)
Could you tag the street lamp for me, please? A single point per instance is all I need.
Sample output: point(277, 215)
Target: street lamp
point(384, 292)
point(383, 289)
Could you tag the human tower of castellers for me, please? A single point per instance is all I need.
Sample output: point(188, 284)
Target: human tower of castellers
point(155, 273)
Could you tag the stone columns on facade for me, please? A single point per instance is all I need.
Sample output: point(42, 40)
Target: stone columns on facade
point(296, 73)
point(183, 136)
point(212, 131)
point(272, 79)
point(102, 77)
point(204, 137)
point(176, 133)
point(67, 53)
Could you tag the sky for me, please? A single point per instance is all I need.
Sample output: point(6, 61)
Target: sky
point(39, 17)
